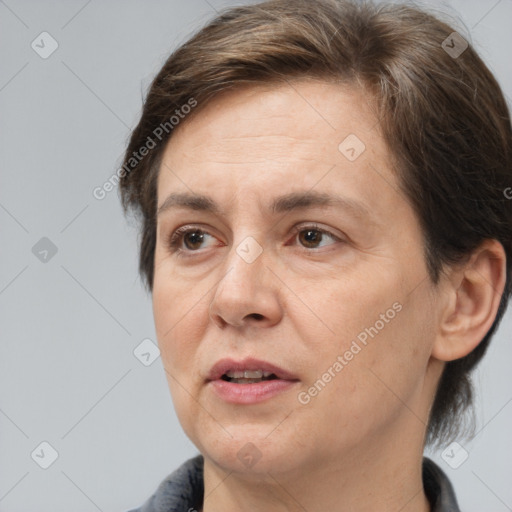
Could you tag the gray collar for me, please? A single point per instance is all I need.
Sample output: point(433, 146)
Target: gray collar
point(183, 490)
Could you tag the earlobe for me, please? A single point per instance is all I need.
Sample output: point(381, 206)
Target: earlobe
point(473, 294)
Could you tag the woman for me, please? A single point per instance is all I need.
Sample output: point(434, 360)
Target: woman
point(327, 239)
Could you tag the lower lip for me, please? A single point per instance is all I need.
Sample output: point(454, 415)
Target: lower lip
point(250, 393)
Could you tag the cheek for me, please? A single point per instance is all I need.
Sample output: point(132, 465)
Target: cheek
point(179, 316)
point(375, 382)
point(375, 327)
point(179, 329)
point(349, 308)
point(391, 367)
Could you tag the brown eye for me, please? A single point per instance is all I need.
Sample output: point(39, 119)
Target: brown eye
point(310, 236)
point(186, 239)
point(193, 239)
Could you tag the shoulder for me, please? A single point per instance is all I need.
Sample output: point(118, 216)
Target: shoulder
point(438, 488)
point(180, 491)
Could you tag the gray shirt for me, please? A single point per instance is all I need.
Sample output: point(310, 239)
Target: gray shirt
point(183, 490)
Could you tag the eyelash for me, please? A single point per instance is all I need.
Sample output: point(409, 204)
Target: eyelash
point(173, 240)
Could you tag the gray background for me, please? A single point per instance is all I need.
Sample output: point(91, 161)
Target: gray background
point(69, 326)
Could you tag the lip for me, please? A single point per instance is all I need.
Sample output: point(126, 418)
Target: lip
point(224, 365)
point(249, 393)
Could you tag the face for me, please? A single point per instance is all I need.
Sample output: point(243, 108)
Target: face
point(306, 259)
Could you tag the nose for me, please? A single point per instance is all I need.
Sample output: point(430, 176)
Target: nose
point(246, 294)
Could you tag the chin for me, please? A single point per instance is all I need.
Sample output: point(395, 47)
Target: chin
point(251, 450)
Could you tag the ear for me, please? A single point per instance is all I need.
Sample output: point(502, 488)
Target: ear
point(471, 299)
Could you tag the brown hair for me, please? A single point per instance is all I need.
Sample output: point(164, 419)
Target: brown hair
point(443, 117)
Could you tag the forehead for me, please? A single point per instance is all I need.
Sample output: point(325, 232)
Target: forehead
point(296, 136)
point(301, 113)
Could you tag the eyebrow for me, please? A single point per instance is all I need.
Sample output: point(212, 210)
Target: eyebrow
point(285, 203)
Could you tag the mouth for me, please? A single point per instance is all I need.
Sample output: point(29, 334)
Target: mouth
point(248, 376)
point(249, 381)
point(247, 370)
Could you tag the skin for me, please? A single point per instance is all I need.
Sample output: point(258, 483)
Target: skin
point(358, 444)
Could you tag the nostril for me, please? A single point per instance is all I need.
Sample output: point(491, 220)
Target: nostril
point(257, 316)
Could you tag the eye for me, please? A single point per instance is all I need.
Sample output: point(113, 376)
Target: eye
point(191, 237)
point(188, 239)
point(312, 235)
